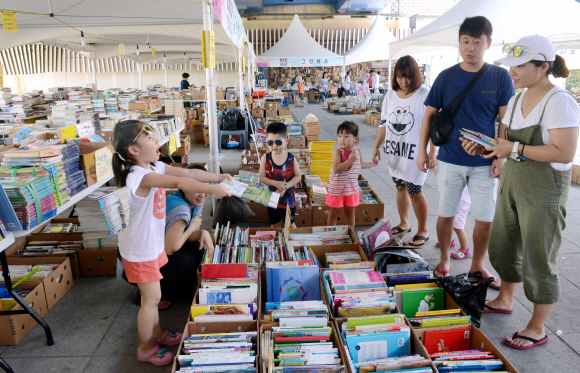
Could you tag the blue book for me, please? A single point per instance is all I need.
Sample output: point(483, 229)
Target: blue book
point(292, 284)
point(7, 213)
point(366, 347)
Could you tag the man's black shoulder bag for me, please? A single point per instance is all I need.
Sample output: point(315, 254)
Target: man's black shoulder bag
point(442, 123)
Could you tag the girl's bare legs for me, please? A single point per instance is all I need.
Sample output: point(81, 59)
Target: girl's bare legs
point(148, 318)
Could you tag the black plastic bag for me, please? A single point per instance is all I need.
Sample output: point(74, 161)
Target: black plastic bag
point(469, 296)
point(232, 209)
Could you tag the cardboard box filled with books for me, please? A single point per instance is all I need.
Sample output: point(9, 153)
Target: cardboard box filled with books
point(243, 334)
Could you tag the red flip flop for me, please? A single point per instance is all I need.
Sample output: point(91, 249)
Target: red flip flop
point(490, 309)
point(444, 272)
point(158, 357)
point(535, 342)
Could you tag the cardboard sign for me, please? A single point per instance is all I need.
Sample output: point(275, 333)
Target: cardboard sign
point(9, 21)
point(171, 144)
point(85, 129)
point(69, 132)
point(208, 49)
point(103, 163)
point(153, 52)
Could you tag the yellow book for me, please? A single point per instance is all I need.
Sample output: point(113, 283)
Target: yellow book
point(437, 313)
point(416, 286)
point(446, 321)
point(220, 309)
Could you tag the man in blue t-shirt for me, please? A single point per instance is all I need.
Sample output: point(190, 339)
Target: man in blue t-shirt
point(456, 169)
point(185, 82)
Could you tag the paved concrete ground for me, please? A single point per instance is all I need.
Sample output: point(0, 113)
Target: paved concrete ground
point(94, 326)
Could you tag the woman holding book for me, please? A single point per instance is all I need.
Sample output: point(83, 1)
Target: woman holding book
point(539, 145)
point(402, 114)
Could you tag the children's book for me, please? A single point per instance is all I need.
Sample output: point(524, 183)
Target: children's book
point(447, 340)
point(422, 300)
point(288, 284)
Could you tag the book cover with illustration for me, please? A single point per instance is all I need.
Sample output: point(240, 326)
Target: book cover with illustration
point(423, 300)
point(290, 284)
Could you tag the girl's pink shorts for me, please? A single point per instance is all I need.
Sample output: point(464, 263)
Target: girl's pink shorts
point(142, 272)
point(341, 201)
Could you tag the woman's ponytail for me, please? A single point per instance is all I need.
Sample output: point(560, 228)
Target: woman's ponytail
point(559, 69)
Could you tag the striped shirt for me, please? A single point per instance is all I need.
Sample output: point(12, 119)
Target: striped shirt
point(345, 183)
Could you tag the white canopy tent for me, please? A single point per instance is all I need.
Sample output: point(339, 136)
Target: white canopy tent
point(374, 46)
point(171, 28)
point(511, 20)
point(298, 49)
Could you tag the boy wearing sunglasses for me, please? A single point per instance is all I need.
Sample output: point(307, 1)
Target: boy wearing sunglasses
point(281, 172)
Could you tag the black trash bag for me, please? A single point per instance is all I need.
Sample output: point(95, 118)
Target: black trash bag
point(232, 209)
point(232, 119)
point(469, 296)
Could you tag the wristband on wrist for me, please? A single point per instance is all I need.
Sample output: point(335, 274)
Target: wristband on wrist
point(522, 152)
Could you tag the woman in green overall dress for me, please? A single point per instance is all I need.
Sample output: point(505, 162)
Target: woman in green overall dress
point(540, 144)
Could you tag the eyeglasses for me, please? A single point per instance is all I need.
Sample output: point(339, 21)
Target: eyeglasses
point(271, 142)
point(517, 50)
point(147, 128)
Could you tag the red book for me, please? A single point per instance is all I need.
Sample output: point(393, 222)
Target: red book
point(447, 340)
point(233, 270)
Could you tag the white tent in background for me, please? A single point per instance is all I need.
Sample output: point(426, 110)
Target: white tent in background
point(374, 46)
point(298, 49)
point(511, 20)
point(173, 28)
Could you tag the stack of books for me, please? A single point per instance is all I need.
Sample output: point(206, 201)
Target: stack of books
point(428, 319)
point(355, 292)
point(318, 194)
point(370, 341)
point(33, 199)
point(347, 260)
point(321, 159)
point(111, 105)
point(294, 130)
point(50, 247)
point(99, 214)
point(58, 177)
point(220, 352)
point(299, 349)
point(61, 228)
point(338, 235)
point(313, 313)
point(466, 361)
point(6, 103)
point(228, 292)
point(311, 128)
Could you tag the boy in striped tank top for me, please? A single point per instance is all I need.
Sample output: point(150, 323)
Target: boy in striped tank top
point(346, 165)
point(281, 172)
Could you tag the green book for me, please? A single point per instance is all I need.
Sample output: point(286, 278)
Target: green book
point(422, 301)
point(353, 322)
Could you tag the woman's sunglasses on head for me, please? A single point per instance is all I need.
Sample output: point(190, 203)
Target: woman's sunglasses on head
point(272, 142)
point(517, 51)
point(147, 128)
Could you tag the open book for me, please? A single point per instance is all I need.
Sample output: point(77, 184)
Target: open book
point(254, 194)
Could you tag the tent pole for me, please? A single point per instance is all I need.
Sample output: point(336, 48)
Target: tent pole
point(139, 69)
point(211, 115)
point(390, 72)
point(94, 71)
point(241, 77)
point(165, 68)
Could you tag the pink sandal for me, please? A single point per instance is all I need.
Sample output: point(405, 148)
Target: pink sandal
point(174, 340)
point(461, 254)
point(452, 245)
point(158, 357)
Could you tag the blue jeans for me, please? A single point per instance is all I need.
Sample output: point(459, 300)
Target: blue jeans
point(323, 92)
